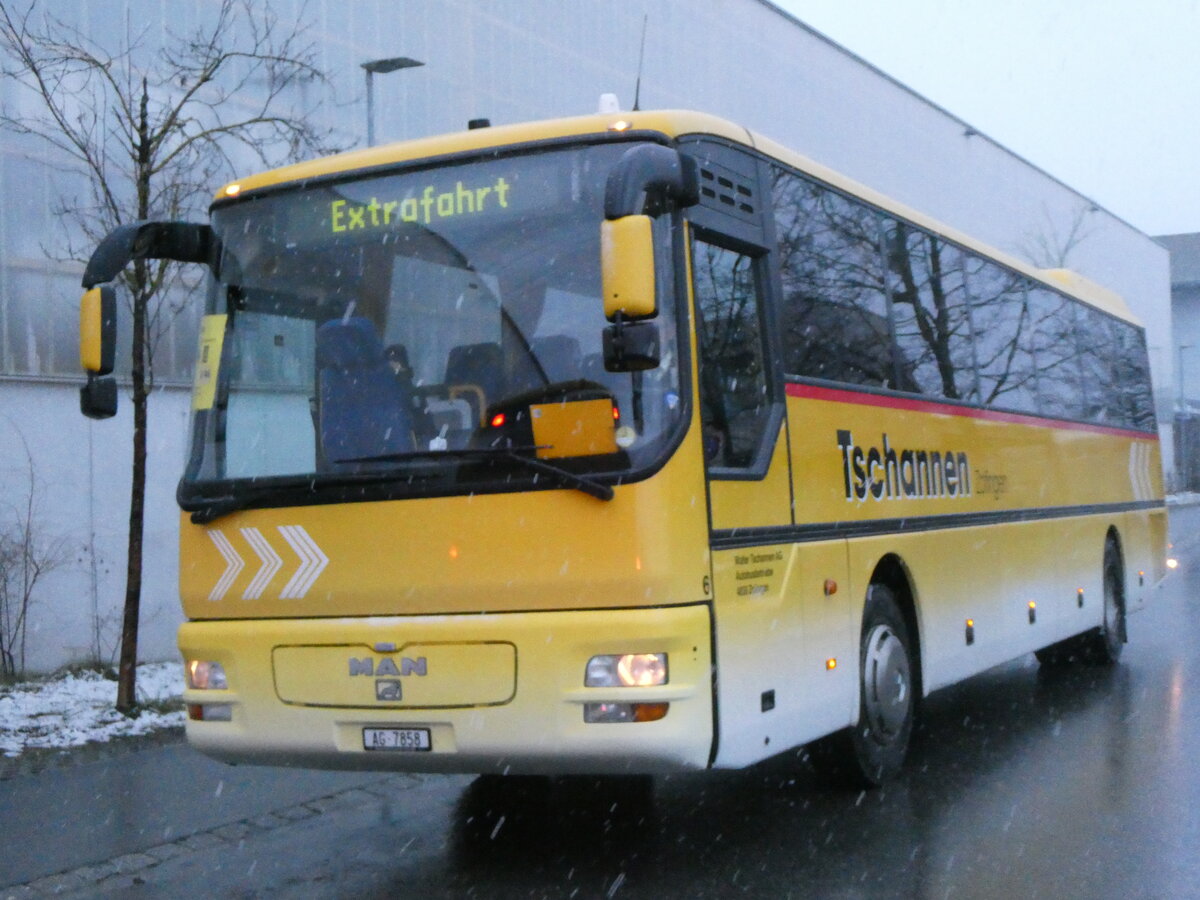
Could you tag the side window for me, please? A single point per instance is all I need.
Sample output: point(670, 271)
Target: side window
point(1005, 322)
point(1133, 395)
point(933, 321)
point(834, 307)
point(1056, 348)
point(1115, 371)
point(734, 398)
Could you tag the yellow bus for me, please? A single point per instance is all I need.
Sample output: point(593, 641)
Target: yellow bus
point(629, 443)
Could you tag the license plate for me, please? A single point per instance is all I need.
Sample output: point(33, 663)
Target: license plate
point(396, 739)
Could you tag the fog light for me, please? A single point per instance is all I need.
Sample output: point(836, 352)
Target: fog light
point(624, 712)
point(630, 670)
point(210, 712)
point(203, 675)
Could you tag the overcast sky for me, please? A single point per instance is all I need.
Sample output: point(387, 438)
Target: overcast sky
point(1102, 94)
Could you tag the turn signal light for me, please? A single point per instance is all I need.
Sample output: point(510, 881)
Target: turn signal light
point(594, 713)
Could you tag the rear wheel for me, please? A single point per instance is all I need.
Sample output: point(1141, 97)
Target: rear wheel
point(1100, 646)
point(1104, 646)
point(873, 751)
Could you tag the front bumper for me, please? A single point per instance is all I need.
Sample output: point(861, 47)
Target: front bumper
point(497, 692)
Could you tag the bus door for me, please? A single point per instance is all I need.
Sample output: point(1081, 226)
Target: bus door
point(758, 588)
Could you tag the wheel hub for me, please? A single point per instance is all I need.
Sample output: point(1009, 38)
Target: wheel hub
point(886, 680)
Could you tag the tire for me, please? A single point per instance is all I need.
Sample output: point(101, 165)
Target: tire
point(1103, 646)
point(873, 751)
point(1100, 646)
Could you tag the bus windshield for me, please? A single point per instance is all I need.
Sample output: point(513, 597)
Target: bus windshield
point(383, 328)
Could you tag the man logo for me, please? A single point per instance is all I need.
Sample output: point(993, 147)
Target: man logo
point(387, 667)
point(388, 690)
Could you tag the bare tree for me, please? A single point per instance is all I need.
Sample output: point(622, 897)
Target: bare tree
point(27, 554)
point(1052, 248)
point(154, 126)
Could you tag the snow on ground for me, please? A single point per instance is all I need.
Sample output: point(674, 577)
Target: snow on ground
point(75, 708)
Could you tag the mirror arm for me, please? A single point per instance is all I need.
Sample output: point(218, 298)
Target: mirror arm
point(647, 169)
point(179, 241)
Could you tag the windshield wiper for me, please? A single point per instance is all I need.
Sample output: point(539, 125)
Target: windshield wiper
point(205, 511)
point(515, 454)
point(563, 477)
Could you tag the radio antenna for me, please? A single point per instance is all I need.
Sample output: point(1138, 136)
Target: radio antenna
point(637, 88)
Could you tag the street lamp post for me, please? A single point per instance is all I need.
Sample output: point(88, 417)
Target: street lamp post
point(382, 66)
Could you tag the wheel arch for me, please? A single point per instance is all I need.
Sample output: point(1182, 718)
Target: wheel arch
point(892, 572)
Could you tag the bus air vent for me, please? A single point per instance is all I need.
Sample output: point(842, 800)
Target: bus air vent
point(724, 190)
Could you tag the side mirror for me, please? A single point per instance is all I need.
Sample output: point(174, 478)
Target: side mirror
point(179, 241)
point(98, 330)
point(98, 398)
point(627, 267)
point(97, 351)
point(631, 346)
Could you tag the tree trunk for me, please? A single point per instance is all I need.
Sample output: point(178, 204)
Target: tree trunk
point(127, 671)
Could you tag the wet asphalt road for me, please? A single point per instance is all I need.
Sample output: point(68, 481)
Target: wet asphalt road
point(1077, 783)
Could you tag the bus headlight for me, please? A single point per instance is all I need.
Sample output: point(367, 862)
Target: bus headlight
point(203, 675)
point(628, 670)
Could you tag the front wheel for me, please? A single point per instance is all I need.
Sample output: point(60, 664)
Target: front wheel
point(871, 752)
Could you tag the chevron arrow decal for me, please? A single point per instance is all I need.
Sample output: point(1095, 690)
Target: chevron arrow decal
point(233, 565)
point(272, 562)
point(312, 563)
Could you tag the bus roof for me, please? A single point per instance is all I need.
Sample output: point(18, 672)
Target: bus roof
point(673, 124)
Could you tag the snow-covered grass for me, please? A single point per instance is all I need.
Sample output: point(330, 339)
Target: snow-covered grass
point(76, 708)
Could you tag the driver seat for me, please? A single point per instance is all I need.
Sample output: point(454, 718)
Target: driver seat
point(362, 410)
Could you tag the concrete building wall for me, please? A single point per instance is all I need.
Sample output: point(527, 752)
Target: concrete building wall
point(508, 60)
point(1184, 250)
